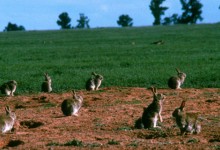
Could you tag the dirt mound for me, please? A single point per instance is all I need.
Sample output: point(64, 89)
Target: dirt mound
point(106, 120)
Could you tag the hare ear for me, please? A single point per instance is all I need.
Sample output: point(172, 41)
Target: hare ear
point(182, 104)
point(93, 73)
point(153, 89)
point(178, 71)
point(74, 92)
point(45, 74)
point(7, 109)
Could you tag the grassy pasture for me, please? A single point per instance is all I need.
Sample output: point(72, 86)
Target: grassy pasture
point(124, 56)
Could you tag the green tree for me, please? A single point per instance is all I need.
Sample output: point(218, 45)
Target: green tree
point(191, 13)
point(64, 21)
point(13, 27)
point(125, 21)
point(170, 20)
point(157, 10)
point(83, 22)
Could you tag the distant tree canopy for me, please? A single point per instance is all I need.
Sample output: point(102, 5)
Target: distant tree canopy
point(64, 21)
point(83, 21)
point(191, 13)
point(13, 27)
point(125, 21)
point(170, 20)
point(157, 10)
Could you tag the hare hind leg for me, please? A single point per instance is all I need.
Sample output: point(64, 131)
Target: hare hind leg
point(155, 119)
point(160, 118)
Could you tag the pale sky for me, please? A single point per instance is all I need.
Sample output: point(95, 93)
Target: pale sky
point(43, 14)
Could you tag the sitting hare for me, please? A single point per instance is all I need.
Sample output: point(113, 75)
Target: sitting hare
point(46, 85)
point(71, 106)
point(160, 42)
point(9, 88)
point(7, 121)
point(187, 122)
point(94, 82)
point(176, 81)
point(152, 112)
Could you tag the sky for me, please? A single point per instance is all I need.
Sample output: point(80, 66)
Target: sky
point(43, 14)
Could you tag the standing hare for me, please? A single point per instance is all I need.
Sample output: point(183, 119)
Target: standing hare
point(9, 88)
point(187, 122)
point(152, 112)
point(46, 85)
point(7, 120)
point(94, 82)
point(71, 106)
point(176, 81)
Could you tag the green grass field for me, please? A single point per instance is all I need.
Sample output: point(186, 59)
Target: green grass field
point(124, 56)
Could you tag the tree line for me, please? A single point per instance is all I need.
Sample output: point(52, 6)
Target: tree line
point(191, 13)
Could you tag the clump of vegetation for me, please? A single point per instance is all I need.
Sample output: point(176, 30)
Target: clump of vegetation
point(193, 140)
point(14, 143)
point(31, 124)
point(93, 145)
point(217, 147)
point(215, 138)
point(74, 143)
point(49, 105)
point(124, 128)
point(113, 142)
point(53, 144)
point(133, 144)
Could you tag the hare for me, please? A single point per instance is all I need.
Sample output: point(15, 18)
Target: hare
point(176, 81)
point(9, 88)
point(187, 122)
point(160, 42)
point(94, 82)
point(152, 112)
point(7, 121)
point(46, 85)
point(71, 106)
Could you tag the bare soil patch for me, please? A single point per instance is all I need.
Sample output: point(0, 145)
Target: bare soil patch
point(106, 120)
